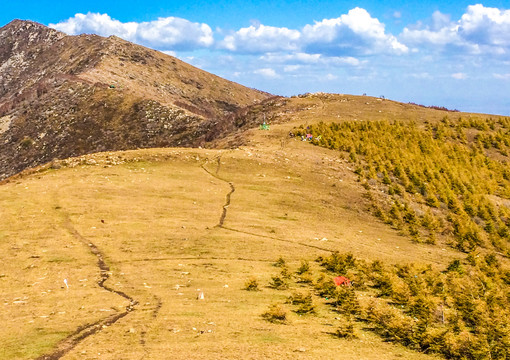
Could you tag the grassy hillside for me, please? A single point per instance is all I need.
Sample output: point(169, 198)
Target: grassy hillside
point(138, 236)
point(154, 217)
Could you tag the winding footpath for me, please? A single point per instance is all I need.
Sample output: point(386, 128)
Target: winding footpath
point(229, 194)
point(227, 203)
point(83, 332)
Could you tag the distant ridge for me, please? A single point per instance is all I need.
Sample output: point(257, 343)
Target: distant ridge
point(63, 96)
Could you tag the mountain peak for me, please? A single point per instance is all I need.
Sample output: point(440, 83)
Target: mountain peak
point(23, 35)
point(62, 96)
point(20, 23)
point(25, 27)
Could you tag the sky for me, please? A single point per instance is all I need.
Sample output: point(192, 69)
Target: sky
point(454, 54)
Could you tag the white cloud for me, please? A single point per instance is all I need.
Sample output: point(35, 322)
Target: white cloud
point(170, 33)
point(354, 33)
point(484, 25)
point(257, 39)
point(459, 76)
point(440, 33)
point(440, 20)
point(480, 30)
point(444, 36)
point(266, 72)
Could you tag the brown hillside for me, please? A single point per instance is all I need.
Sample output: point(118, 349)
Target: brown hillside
point(63, 96)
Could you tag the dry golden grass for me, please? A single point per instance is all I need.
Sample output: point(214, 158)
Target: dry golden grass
point(154, 218)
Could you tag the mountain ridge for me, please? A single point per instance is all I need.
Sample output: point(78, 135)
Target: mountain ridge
point(63, 96)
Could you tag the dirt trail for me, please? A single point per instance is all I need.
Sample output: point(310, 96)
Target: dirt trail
point(227, 203)
point(85, 331)
point(224, 213)
point(229, 194)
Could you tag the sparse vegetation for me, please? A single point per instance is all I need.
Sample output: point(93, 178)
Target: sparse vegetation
point(26, 143)
point(303, 268)
point(442, 108)
point(280, 262)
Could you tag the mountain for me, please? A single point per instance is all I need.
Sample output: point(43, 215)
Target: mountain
point(212, 254)
point(63, 96)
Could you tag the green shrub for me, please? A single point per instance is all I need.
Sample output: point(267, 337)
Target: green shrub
point(305, 278)
point(456, 266)
point(275, 314)
point(346, 301)
point(280, 262)
point(338, 263)
point(251, 285)
point(285, 272)
point(278, 283)
point(325, 286)
point(304, 301)
point(345, 329)
point(303, 268)
point(384, 284)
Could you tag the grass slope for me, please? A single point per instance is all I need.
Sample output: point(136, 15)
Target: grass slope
point(153, 215)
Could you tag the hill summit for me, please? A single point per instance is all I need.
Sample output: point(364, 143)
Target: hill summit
point(63, 96)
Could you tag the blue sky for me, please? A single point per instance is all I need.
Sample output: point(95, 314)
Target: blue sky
point(454, 54)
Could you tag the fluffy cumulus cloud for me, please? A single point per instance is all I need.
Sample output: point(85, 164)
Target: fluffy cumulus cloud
point(170, 33)
point(480, 30)
point(354, 33)
point(260, 38)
